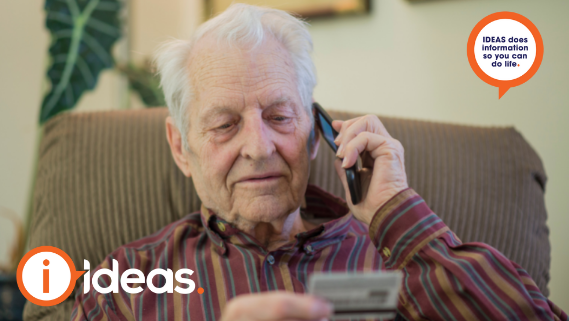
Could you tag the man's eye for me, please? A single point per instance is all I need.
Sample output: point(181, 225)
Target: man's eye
point(280, 118)
point(225, 126)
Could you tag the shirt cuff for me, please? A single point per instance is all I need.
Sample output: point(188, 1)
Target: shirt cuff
point(402, 226)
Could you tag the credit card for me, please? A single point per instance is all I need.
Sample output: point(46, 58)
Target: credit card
point(368, 295)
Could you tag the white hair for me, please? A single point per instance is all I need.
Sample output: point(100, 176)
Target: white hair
point(240, 24)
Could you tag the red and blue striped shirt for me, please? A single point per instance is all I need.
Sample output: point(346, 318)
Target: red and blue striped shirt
point(443, 278)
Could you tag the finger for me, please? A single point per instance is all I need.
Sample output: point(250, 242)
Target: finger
point(337, 124)
point(367, 123)
point(284, 305)
point(345, 124)
point(376, 145)
point(382, 130)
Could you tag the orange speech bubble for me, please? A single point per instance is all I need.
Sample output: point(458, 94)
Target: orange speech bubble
point(31, 280)
point(504, 85)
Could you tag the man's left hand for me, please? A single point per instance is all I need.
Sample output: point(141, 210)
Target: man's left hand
point(383, 167)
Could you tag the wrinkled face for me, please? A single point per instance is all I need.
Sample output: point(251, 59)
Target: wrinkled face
point(249, 147)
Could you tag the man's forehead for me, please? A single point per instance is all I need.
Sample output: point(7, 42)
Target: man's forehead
point(219, 106)
point(221, 73)
point(211, 58)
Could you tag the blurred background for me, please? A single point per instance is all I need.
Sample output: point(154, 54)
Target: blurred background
point(400, 58)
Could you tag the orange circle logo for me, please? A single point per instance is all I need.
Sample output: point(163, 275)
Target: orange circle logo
point(46, 275)
point(505, 50)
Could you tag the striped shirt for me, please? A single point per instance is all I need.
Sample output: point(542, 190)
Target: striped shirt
point(443, 278)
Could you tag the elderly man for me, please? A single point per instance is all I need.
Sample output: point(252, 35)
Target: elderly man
point(242, 128)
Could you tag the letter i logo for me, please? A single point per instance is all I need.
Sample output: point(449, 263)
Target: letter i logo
point(46, 277)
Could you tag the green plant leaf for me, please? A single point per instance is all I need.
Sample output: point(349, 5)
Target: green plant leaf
point(145, 83)
point(83, 33)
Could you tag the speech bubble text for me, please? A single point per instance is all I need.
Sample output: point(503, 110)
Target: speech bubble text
point(505, 50)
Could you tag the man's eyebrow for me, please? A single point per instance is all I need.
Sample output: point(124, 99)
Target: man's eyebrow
point(215, 111)
point(212, 112)
point(279, 101)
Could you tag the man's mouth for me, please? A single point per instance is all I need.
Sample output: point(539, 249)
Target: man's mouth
point(260, 178)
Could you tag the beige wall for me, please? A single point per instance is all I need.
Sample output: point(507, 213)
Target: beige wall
point(22, 53)
point(409, 60)
point(405, 60)
point(23, 64)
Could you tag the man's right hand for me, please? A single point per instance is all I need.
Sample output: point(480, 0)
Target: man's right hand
point(278, 305)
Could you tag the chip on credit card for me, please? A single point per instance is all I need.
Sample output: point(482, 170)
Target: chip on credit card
point(367, 295)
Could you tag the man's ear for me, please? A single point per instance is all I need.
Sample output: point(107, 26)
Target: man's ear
point(176, 147)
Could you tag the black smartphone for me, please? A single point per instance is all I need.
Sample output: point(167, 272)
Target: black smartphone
point(324, 121)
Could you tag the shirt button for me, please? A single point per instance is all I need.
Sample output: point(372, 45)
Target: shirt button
point(271, 259)
point(221, 226)
point(309, 248)
point(386, 252)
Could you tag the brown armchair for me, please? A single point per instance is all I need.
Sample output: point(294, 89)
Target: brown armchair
point(107, 178)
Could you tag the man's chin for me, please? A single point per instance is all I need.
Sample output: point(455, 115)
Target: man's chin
point(266, 208)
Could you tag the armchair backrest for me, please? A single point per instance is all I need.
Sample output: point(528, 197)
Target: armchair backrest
point(107, 178)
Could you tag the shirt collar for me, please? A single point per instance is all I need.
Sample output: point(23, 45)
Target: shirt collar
point(319, 205)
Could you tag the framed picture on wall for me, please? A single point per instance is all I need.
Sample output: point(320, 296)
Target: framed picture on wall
point(304, 8)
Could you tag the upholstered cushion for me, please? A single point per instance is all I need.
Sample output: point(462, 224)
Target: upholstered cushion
point(108, 178)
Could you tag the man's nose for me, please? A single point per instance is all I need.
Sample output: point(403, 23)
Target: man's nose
point(257, 140)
